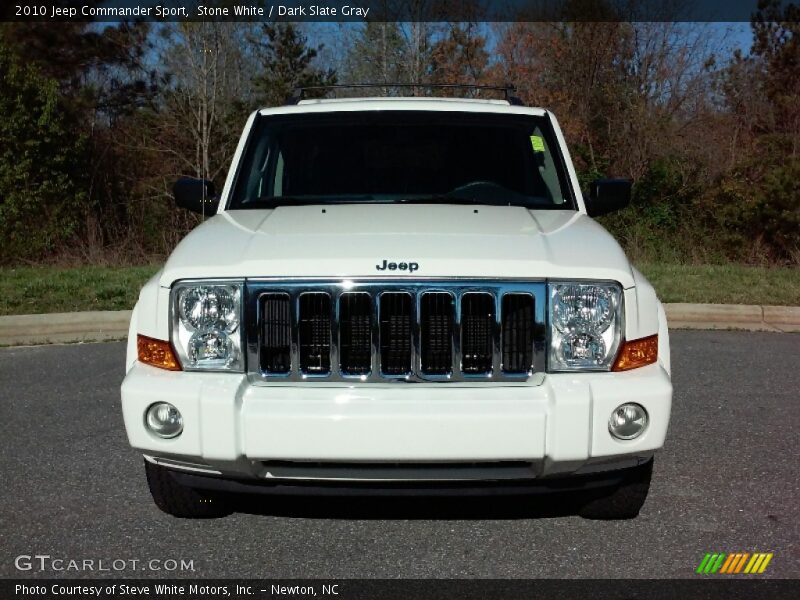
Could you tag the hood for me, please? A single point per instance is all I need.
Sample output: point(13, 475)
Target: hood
point(352, 240)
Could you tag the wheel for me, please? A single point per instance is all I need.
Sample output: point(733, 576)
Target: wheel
point(181, 501)
point(623, 501)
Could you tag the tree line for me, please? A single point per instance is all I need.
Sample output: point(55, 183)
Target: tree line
point(98, 121)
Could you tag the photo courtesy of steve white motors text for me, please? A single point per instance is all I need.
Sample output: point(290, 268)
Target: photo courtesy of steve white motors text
point(128, 590)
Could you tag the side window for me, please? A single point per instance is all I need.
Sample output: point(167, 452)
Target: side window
point(278, 187)
point(258, 179)
point(543, 159)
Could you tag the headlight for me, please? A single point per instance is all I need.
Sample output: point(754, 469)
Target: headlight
point(585, 325)
point(206, 328)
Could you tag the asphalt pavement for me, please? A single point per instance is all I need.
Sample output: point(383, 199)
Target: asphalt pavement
point(727, 480)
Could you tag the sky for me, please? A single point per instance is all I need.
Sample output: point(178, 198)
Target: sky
point(736, 36)
point(336, 36)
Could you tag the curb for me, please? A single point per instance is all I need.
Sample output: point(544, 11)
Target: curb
point(96, 326)
point(59, 328)
point(733, 316)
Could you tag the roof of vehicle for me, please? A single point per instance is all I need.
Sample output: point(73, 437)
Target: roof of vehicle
point(403, 103)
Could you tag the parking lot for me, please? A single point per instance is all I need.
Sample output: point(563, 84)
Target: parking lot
point(726, 481)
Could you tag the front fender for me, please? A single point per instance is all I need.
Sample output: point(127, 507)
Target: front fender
point(132, 353)
point(663, 340)
point(650, 318)
point(149, 317)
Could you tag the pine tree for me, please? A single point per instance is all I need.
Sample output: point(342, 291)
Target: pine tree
point(378, 55)
point(776, 46)
point(460, 56)
point(287, 62)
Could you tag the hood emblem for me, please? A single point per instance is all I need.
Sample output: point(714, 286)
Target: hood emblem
point(394, 266)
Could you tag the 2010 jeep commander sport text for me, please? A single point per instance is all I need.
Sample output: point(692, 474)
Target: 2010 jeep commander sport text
point(399, 295)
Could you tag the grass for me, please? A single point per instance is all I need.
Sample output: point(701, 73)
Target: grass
point(29, 290)
point(724, 284)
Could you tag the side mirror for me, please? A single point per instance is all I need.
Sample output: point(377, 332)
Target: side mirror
point(196, 195)
point(608, 195)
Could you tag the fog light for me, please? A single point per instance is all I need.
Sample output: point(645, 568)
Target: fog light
point(627, 421)
point(164, 420)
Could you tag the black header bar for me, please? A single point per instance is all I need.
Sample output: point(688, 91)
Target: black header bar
point(705, 587)
point(381, 10)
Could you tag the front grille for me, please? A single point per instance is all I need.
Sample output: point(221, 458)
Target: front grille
point(396, 318)
point(355, 333)
point(276, 345)
point(382, 331)
point(314, 325)
point(477, 324)
point(517, 337)
point(436, 327)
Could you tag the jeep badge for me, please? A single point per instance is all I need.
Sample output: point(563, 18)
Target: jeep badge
point(392, 266)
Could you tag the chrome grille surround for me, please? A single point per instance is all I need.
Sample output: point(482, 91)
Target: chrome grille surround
point(255, 289)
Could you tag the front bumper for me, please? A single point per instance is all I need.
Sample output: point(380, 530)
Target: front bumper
point(556, 484)
point(243, 431)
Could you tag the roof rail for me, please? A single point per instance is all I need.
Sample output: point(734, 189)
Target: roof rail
point(508, 90)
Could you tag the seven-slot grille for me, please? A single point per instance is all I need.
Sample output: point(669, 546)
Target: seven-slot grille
point(379, 331)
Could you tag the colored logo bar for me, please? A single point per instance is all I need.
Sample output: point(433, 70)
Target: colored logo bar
point(733, 563)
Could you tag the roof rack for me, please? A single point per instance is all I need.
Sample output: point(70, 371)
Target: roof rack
point(508, 90)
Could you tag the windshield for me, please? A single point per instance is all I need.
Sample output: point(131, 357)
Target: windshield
point(402, 156)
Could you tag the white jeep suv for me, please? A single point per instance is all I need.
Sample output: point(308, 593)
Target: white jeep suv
point(398, 294)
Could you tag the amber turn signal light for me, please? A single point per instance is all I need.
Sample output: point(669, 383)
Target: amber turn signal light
point(637, 353)
point(157, 353)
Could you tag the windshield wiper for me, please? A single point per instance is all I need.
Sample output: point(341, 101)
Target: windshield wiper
point(445, 199)
point(276, 201)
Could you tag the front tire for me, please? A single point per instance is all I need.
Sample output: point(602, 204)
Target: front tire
point(624, 501)
point(181, 501)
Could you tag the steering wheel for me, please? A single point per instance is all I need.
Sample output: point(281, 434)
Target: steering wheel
point(472, 185)
point(483, 191)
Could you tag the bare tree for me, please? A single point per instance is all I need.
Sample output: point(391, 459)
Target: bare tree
point(209, 79)
point(195, 124)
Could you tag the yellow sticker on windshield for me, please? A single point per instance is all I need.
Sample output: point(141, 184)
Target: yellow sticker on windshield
point(538, 143)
